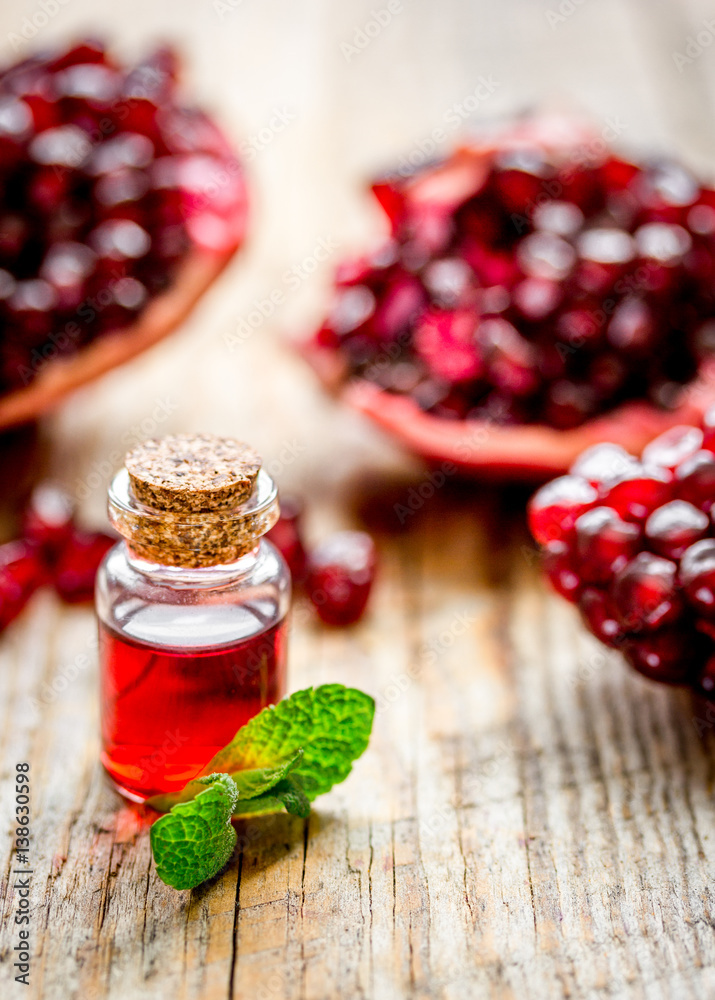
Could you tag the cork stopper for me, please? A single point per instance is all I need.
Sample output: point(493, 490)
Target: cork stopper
point(192, 500)
point(192, 473)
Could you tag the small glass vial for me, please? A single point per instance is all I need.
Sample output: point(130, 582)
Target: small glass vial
point(192, 609)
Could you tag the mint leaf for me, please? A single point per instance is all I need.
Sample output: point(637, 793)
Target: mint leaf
point(293, 798)
point(331, 724)
point(287, 794)
point(195, 840)
point(283, 758)
point(250, 783)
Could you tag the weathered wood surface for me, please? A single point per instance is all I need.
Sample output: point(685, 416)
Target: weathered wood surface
point(531, 819)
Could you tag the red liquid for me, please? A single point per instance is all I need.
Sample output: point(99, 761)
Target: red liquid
point(166, 712)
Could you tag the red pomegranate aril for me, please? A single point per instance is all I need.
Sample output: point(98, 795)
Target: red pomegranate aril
point(30, 309)
point(604, 544)
point(603, 463)
point(286, 536)
point(695, 479)
point(603, 253)
point(559, 217)
point(569, 403)
point(48, 519)
point(553, 509)
point(645, 593)
point(666, 656)
point(675, 526)
point(545, 255)
point(77, 563)
point(558, 566)
point(446, 343)
point(519, 179)
point(66, 267)
point(22, 571)
point(341, 570)
point(709, 428)
point(509, 358)
point(119, 240)
point(697, 576)
point(600, 617)
point(637, 492)
point(632, 327)
point(536, 298)
point(704, 683)
point(673, 447)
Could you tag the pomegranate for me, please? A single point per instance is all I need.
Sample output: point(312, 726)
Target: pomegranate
point(632, 543)
point(110, 188)
point(533, 284)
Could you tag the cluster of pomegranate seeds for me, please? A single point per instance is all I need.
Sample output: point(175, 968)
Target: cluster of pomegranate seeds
point(632, 542)
point(337, 574)
point(104, 187)
point(556, 291)
point(52, 550)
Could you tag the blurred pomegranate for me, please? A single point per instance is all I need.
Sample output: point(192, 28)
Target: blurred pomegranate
point(537, 294)
point(118, 207)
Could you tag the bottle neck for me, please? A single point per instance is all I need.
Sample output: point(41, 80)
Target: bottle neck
point(194, 578)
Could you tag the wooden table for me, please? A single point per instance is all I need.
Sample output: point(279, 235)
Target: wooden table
point(531, 818)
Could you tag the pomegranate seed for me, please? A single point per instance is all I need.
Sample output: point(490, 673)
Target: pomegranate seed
point(709, 429)
point(704, 683)
point(604, 543)
point(509, 358)
point(695, 479)
point(553, 510)
point(645, 593)
point(697, 575)
point(544, 255)
point(559, 217)
point(559, 568)
point(637, 491)
point(666, 656)
point(602, 463)
point(446, 343)
point(77, 564)
point(22, 571)
point(340, 575)
point(632, 327)
point(672, 528)
point(673, 447)
point(569, 403)
point(286, 537)
point(48, 519)
point(600, 617)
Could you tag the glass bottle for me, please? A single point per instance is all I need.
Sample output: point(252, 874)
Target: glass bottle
point(192, 609)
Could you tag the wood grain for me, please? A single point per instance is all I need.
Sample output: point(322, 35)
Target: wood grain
point(531, 819)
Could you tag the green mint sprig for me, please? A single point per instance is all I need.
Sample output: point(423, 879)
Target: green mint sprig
point(282, 759)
